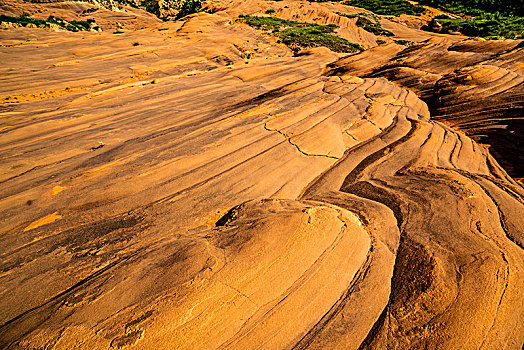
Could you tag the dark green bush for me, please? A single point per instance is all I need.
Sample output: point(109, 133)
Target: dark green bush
point(488, 25)
point(387, 7)
point(404, 42)
point(90, 10)
point(479, 7)
point(189, 7)
point(23, 20)
point(151, 6)
point(73, 26)
point(369, 22)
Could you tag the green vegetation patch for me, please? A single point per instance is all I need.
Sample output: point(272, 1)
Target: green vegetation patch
point(404, 42)
point(275, 23)
point(368, 22)
point(490, 19)
point(90, 10)
point(487, 25)
point(300, 35)
point(479, 7)
point(72, 26)
point(361, 14)
point(387, 7)
point(164, 9)
point(23, 20)
point(189, 7)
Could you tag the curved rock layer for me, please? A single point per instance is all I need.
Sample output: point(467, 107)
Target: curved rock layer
point(476, 86)
point(206, 189)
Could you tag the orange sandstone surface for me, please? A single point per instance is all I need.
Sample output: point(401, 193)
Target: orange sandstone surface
point(196, 185)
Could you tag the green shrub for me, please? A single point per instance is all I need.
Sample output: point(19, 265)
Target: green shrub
point(487, 25)
point(275, 23)
point(387, 7)
point(491, 19)
point(298, 38)
point(299, 35)
point(151, 6)
point(480, 7)
point(90, 10)
point(361, 14)
point(404, 42)
point(189, 7)
point(82, 25)
point(369, 22)
point(23, 20)
point(73, 26)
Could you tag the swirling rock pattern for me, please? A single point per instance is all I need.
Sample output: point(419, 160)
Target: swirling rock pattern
point(206, 189)
point(473, 85)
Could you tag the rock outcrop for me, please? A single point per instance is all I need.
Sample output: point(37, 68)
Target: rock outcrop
point(195, 185)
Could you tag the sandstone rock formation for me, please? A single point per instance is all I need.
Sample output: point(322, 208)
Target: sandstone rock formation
point(193, 185)
point(473, 85)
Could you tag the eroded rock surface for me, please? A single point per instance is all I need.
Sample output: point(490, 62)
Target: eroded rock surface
point(474, 85)
point(207, 189)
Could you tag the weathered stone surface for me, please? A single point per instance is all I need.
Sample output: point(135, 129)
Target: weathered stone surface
point(204, 188)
